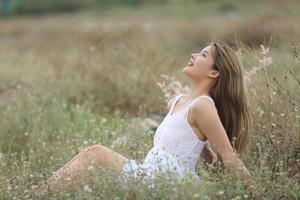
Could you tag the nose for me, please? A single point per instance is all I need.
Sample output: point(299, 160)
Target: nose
point(193, 55)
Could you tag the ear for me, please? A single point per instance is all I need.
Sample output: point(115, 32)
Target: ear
point(214, 74)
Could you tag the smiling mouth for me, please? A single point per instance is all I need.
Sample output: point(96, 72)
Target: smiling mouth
point(190, 64)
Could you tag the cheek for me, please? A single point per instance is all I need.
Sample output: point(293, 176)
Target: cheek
point(199, 70)
point(202, 63)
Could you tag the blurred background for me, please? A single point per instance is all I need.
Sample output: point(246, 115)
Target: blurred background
point(113, 51)
point(79, 72)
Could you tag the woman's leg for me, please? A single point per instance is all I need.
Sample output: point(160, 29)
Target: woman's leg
point(79, 168)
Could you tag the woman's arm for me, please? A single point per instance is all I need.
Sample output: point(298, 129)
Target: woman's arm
point(209, 123)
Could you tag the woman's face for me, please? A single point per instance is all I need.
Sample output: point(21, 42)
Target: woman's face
point(200, 64)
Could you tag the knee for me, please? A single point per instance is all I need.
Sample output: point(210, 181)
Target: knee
point(93, 150)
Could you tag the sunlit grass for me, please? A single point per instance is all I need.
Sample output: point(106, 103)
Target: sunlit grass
point(68, 83)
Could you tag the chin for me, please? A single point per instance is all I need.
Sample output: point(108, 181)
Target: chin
point(187, 71)
point(190, 73)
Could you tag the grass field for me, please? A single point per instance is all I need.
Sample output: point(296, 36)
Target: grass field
point(68, 81)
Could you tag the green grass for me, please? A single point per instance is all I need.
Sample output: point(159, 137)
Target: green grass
point(72, 81)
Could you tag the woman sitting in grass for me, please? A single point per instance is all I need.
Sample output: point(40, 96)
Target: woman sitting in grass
point(214, 112)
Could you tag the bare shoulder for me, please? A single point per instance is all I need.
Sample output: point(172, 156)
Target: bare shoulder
point(207, 120)
point(203, 106)
point(204, 113)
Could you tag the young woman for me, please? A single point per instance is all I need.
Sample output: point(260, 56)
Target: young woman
point(214, 112)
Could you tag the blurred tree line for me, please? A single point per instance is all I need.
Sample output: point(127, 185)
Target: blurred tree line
point(8, 7)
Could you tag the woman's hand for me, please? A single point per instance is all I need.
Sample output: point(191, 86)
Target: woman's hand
point(245, 175)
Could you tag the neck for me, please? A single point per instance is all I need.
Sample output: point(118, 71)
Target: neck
point(198, 89)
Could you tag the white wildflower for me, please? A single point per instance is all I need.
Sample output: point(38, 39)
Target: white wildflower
point(91, 167)
point(146, 123)
point(249, 74)
point(120, 141)
point(34, 186)
point(86, 188)
point(173, 88)
point(221, 192)
point(266, 59)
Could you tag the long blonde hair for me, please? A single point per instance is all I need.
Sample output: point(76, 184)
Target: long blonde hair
point(229, 96)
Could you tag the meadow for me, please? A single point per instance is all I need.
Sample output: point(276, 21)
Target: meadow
point(105, 76)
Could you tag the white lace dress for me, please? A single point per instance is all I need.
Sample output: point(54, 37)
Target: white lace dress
point(176, 148)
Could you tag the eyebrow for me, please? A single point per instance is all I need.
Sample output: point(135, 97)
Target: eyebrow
point(206, 52)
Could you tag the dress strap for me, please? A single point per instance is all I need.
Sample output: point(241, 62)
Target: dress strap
point(174, 102)
point(194, 100)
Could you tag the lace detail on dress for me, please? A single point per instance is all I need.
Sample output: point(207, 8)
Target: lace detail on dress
point(175, 143)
